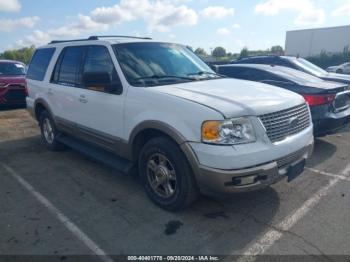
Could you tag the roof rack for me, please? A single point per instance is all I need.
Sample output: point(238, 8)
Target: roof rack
point(64, 41)
point(97, 37)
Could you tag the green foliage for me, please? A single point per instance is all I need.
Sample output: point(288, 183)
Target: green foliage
point(200, 51)
point(244, 52)
point(325, 60)
point(24, 54)
point(274, 50)
point(277, 50)
point(219, 52)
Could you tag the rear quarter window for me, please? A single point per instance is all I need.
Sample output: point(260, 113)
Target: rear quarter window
point(39, 63)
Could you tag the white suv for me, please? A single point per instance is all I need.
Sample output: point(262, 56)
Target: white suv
point(134, 102)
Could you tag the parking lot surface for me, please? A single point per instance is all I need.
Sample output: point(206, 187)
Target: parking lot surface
point(63, 203)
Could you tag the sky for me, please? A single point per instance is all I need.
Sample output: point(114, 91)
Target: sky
point(233, 24)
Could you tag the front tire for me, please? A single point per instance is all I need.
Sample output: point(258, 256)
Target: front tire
point(49, 132)
point(166, 175)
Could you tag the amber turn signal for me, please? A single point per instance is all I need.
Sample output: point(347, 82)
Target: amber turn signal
point(210, 130)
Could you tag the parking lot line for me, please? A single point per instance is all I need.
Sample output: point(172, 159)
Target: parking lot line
point(79, 234)
point(328, 174)
point(270, 237)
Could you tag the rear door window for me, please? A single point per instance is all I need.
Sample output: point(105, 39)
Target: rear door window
point(39, 63)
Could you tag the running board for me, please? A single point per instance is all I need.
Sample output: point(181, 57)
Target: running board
point(100, 155)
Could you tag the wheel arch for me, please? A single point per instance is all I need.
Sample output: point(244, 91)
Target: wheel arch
point(150, 129)
point(40, 106)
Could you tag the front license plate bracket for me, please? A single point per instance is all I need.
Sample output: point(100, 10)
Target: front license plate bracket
point(295, 170)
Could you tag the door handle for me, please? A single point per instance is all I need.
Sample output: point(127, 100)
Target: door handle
point(50, 92)
point(82, 99)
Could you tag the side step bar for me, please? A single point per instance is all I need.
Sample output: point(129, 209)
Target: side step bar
point(100, 155)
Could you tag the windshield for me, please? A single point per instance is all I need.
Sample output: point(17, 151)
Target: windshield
point(12, 69)
point(310, 67)
point(152, 64)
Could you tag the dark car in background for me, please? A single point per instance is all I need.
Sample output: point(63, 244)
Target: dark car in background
point(329, 101)
point(297, 63)
point(12, 83)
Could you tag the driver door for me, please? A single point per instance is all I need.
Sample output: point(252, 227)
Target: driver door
point(100, 112)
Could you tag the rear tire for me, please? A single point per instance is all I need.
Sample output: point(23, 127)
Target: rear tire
point(49, 132)
point(166, 175)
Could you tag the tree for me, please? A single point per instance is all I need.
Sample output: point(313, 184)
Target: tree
point(200, 51)
point(219, 52)
point(23, 54)
point(244, 52)
point(277, 50)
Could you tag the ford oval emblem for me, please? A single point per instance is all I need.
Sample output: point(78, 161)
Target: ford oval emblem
point(293, 122)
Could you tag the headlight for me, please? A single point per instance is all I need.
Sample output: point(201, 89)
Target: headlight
point(228, 132)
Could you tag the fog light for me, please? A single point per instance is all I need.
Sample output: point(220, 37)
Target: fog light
point(245, 180)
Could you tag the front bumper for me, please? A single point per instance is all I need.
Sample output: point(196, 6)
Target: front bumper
point(256, 165)
point(326, 122)
point(13, 95)
point(329, 125)
point(250, 179)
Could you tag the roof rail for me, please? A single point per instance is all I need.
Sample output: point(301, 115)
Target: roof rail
point(97, 37)
point(64, 41)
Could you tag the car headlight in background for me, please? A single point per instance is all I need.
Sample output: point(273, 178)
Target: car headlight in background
point(228, 132)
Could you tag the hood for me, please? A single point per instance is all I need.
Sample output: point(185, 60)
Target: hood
point(337, 78)
point(233, 97)
point(12, 79)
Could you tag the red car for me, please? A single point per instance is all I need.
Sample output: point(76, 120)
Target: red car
point(12, 83)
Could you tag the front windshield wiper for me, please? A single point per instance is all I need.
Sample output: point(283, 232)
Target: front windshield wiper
point(200, 73)
point(164, 76)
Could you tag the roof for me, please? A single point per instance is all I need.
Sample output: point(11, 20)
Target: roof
point(110, 39)
point(10, 61)
point(265, 56)
point(98, 40)
point(257, 66)
point(320, 28)
point(284, 72)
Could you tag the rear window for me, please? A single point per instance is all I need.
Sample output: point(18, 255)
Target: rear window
point(12, 69)
point(40, 61)
point(240, 72)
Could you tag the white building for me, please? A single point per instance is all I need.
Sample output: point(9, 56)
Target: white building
point(310, 42)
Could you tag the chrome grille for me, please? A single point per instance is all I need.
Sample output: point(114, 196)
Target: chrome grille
point(282, 124)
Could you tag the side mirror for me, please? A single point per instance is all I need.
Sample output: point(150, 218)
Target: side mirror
point(101, 81)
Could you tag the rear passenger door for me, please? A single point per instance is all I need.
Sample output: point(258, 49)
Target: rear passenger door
point(65, 85)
